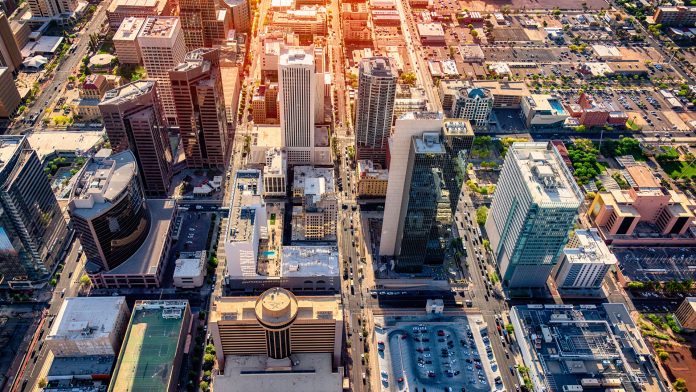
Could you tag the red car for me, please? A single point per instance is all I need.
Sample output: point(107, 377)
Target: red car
point(440, 333)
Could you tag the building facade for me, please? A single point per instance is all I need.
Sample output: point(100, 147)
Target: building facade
point(162, 47)
point(240, 15)
point(33, 231)
point(473, 104)
point(584, 263)
point(133, 119)
point(204, 23)
point(10, 55)
point(686, 313)
point(297, 89)
point(534, 207)
point(374, 108)
point(9, 95)
point(200, 106)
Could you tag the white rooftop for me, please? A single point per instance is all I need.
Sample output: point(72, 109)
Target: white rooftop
point(589, 249)
point(309, 261)
point(190, 265)
point(314, 180)
point(48, 142)
point(84, 318)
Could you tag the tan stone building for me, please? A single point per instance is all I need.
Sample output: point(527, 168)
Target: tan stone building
point(372, 181)
point(686, 313)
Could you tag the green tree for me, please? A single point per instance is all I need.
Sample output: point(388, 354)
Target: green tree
point(680, 385)
point(85, 282)
point(409, 78)
point(204, 386)
point(481, 215)
point(510, 328)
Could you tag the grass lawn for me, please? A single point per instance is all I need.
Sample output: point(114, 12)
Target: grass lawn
point(678, 169)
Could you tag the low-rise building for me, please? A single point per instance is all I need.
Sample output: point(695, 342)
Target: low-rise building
point(543, 110)
point(584, 262)
point(431, 33)
point(585, 346)
point(506, 94)
point(372, 180)
point(645, 214)
point(356, 23)
point(86, 326)
point(190, 270)
point(302, 21)
point(686, 313)
point(274, 174)
point(593, 113)
point(315, 217)
point(675, 16)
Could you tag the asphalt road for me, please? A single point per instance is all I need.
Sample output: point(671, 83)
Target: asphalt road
point(70, 65)
point(70, 282)
point(482, 298)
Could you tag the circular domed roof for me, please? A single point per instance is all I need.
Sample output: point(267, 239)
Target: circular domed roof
point(276, 307)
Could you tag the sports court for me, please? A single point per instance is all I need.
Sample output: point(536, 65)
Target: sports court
point(147, 357)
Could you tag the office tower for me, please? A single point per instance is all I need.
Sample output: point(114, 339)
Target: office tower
point(162, 48)
point(277, 324)
point(200, 106)
point(126, 40)
point(584, 263)
point(241, 17)
point(10, 55)
point(407, 127)
point(686, 313)
point(204, 24)
point(9, 95)
point(33, 231)
point(374, 108)
point(133, 120)
point(51, 8)
point(315, 219)
point(108, 211)
point(458, 138)
point(297, 85)
point(473, 104)
point(534, 207)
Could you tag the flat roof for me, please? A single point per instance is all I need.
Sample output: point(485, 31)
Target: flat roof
point(81, 366)
point(9, 146)
point(296, 56)
point(313, 260)
point(589, 248)
point(504, 88)
point(45, 44)
point(129, 29)
point(545, 174)
point(306, 177)
point(132, 3)
point(86, 318)
point(643, 177)
point(190, 265)
point(246, 198)
point(159, 27)
point(147, 258)
point(79, 142)
point(313, 373)
point(266, 136)
point(433, 29)
point(146, 361)
point(308, 307)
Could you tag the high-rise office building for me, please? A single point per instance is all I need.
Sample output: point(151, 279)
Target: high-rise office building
point(374, 108)
point(584, 263)
point(9, 95)
point(108, 211)
point(534, 207)
point(205, 24)
point(162, 48)
point(51, 8)
point(200, 106)
point(297, 88)
point(10, 55)
point(33, 232)
point(241, 17)
point(458, 138)
point(474, 104)
point(407, 127)
point(426, 218)
point(133, 119)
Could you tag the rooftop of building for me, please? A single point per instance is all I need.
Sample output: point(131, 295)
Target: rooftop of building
point(9, 146)
point(430, 29)
point(266, 136)
point(246, 197)
point(691, 301)
point(115, 4)
point(588, 247)
point(457, 127)
point(128, 92)
point(86, 318)
point(504, 87)
point(642, 176)
point(48, 142)
point(296, 56)
point(428, 143)
point(379, 67)
point(308, 307)
point(564, 344)
point(159, 27)
point(88, 365)
point(546, 103)
point(94, 81)
point(545, 174)
point(129, 29)
point(195, 59)
point(313, 260)
point(150, 347)
point(101, 182)
point(367, 168)
point(313, 180)
point(190, 264)
point(146, 260)
point(309, 373)
point(422, 116)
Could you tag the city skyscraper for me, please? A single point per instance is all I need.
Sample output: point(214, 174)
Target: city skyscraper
point(133, 120)
point(400, 164)
point(162, 47)
point(297, 89)
point(204, 23)
point(33, 232)
point(51, 8)
point(241, 17)
point(374, 108)
point(200, 106)
point(10, 55)
point(534, 207)
point(9, 95)
point(584, 263)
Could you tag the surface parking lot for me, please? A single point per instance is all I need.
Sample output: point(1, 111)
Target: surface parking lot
point(433, 356)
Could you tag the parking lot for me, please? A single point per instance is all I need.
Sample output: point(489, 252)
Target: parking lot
point(657, 264)
point(193, 236)
point(426, 356)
